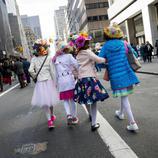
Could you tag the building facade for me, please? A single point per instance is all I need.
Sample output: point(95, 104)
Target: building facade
point(72, 13)
point(33, 22)
point(15, 30)
point(138, 19)
point(6, 44)
point(31, 38)
point(88, 15)
point(19, 38)
point(60, 22)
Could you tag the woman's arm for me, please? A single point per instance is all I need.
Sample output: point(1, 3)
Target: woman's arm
point(96, 58)
point(53, 72)
point(74, 65)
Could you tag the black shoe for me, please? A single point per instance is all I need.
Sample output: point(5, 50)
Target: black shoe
point(69, 120)
point(95, 127)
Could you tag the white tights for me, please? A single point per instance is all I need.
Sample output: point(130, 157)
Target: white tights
point(92, 110)
point(70, 111)
point(49, 112)
point(125, 107)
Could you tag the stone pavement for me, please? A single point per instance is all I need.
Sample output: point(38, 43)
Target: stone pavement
point(150, 67)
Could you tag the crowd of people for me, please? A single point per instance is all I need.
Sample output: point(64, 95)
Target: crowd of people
point(12, 68)
point(71, 76)
point(146, 51)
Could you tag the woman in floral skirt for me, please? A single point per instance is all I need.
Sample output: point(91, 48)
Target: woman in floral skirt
point(88, 89)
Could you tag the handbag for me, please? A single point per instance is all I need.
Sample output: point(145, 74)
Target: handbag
point(133, 61)
point(35, 78)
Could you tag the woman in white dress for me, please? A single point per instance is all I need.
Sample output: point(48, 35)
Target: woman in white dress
point(45, 93)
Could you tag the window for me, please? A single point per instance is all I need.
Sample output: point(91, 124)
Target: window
point(98, 18)
point(97, 5)
point(103, 17)
point(103, 5)
point(138, 21)
point(93, 18)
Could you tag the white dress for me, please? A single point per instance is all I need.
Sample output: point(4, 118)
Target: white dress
point(45, 91)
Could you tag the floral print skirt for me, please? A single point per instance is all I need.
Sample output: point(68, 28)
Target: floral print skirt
point(89, 90)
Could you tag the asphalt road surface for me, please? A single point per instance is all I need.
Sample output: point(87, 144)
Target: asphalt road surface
point(24, 132)
point(23, 127)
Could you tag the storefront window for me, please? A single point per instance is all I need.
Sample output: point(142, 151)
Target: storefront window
point(138, 21)
point(139, 29)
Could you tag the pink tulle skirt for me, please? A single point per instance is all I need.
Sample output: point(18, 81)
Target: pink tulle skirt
point(66, 95)
point(45, 94)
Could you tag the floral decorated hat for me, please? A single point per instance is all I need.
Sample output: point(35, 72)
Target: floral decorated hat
point(82, 38)
point(113, 31)
point(40, 47)
point(61, 45)
point(60, 49)
point(71, 39)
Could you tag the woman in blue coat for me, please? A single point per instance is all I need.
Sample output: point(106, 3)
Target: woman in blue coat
point(122, 77)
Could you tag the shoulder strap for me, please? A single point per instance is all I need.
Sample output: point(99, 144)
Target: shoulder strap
point(41, 66)
point(126, 46)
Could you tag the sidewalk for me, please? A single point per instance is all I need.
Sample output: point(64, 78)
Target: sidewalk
point(150, 67)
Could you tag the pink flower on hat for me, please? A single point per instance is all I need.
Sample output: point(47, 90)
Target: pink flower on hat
point(71, 44)
point(80, 41)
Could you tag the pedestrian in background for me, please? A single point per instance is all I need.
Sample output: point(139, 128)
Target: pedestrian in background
point(97, 50)
point(45, 94)
point(122, 77)
point(7, 73)
point(149, 49)
point(156, 46)
point(135, 48)
point(26, 65)
point(65, 63)
point(1, 77)
point(143, 53)
point(88, 89)
point(13, 68)
point(19, 72)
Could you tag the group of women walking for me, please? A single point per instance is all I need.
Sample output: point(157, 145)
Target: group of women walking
point(72, 77)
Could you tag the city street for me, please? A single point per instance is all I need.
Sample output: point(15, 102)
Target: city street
point(36, 33)
point(23, 128)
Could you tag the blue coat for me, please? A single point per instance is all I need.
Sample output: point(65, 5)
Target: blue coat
point(120, 73)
